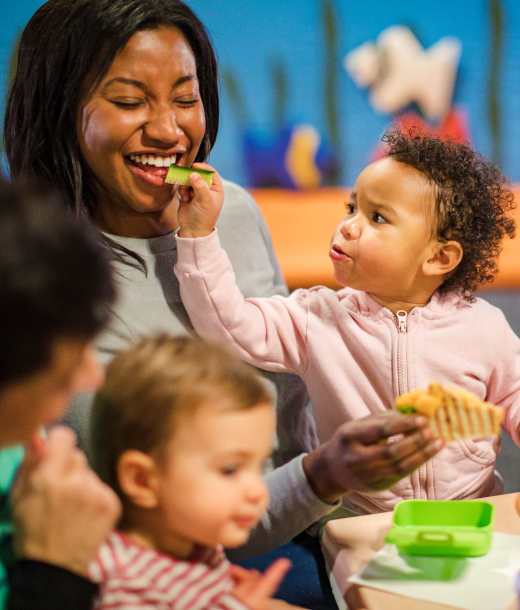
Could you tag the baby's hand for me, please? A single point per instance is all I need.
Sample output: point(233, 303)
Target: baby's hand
point(256, 589)
point(199, 205)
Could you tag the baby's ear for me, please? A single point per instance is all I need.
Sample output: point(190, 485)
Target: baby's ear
point(444, 258)
point(136, 473)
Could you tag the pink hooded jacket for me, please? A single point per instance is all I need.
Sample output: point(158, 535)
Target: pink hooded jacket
point(356, 357)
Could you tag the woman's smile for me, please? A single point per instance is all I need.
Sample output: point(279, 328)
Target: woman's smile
point(152, 167)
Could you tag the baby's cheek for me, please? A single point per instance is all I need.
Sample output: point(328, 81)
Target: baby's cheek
point(264, 505)
point(375, 259)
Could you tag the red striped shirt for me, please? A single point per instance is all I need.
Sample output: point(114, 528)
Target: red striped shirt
point(132, 576)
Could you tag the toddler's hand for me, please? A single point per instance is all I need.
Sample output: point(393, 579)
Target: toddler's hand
point(199, 205)
point(256, 589)
point(359, 457)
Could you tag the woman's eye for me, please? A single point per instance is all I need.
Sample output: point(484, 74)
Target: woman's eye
point(187, 102)
point(126, 105)
point(378, 218)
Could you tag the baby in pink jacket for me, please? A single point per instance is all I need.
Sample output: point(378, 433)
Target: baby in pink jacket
point(423, 228)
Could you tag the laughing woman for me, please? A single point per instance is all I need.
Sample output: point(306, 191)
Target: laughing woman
point(108, 94)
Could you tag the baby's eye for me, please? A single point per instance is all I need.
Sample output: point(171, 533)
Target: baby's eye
point(378, 218)
point(350, 208)
point(229, 469)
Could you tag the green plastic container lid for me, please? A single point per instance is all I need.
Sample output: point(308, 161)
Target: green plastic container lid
point(442, 527)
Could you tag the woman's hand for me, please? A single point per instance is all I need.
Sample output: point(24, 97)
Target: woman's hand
point(256, 589)
point(199, 205)
point(62, 511)
point(360, 456)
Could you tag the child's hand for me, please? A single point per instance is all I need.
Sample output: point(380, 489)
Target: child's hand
point(199, 205)
point(256, 589)
point(359, 456)
point(55, 495)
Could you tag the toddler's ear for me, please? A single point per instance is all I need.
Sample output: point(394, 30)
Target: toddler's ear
point(136, 473)
point(445, 257)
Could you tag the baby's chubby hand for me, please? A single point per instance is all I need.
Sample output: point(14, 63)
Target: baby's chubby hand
point(200, 205)
point(255, 589)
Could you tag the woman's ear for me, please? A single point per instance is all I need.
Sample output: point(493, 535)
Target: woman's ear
point(445, 257)
point(136, 473)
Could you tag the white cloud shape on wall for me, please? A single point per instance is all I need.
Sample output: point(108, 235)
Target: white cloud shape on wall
point(399, 71)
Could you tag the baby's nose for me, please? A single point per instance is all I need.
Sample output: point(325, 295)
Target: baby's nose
point(257, 490)
point(350, 229)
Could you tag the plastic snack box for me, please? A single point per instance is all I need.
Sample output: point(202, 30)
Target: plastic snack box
point(442, 527)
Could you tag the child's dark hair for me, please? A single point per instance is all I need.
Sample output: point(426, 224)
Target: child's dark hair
point(472, 202)
point(55, 280)
point(150, 384)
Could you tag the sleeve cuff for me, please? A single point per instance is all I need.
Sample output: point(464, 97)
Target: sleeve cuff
point(321, 506)
point(194, 252)
point(35, 584)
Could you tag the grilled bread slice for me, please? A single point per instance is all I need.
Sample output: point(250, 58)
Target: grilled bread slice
point(452, 413)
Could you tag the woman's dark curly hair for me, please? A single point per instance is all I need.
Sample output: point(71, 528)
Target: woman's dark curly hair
point(472, 202)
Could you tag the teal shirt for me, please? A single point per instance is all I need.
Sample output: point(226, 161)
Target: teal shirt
point(9, 461)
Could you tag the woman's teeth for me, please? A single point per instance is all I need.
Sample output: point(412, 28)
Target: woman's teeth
point(154, 160)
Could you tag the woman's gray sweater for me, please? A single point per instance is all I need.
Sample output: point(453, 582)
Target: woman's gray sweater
point(150, 303)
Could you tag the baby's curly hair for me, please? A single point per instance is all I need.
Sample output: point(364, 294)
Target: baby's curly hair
point(472, 202)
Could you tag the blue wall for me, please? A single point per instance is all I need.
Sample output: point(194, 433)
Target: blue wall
point(249, 34)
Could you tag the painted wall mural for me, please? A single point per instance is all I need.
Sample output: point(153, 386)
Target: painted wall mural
point(400, 74)
point(293, 155)
point(309, 87)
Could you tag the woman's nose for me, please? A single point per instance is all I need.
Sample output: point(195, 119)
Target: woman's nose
point(162, 126)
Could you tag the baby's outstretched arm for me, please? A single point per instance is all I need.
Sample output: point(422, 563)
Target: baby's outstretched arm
point(199, 208)
point(266, 332)
point(200, 205)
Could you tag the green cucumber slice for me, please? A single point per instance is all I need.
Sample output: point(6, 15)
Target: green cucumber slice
point(407, 409)
point(181, 175)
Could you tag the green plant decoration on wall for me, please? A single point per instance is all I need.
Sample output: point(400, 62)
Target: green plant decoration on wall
point(279, 78)
point(235, 98)
point(290, 155)
point(497, 33)
point(332, 60)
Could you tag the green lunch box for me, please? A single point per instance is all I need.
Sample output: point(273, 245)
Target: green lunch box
point(442, 527)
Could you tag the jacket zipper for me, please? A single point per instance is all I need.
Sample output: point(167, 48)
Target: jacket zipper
point(401, 317)
point(401, 320)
